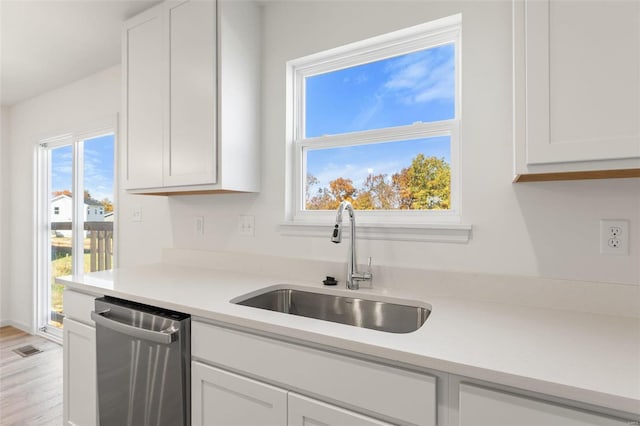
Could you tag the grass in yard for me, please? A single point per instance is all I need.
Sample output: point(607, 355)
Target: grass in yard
point(60, 267)
point(61, 264)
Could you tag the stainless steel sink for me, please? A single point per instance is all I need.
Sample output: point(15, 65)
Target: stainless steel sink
point(373, 314)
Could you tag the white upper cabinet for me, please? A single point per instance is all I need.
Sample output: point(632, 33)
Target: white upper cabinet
point(184, 63)
point(577, 87)
point(190, 149)
point(144, 97)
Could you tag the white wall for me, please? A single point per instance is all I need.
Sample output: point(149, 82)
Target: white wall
point(4, 226)
point(78, 106)
point(537, 229)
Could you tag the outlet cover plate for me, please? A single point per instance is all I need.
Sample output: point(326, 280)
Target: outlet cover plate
point(614, 237)
point(246, 225)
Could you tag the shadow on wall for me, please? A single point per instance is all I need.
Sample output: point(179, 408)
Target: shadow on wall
point(563, 223)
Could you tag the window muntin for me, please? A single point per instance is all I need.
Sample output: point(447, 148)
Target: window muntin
point(312, 138)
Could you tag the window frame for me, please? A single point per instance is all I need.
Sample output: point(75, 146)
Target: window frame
point(425, 36)
point(42, 235)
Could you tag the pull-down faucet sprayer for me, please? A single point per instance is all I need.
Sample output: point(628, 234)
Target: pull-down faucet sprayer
point(353, 276)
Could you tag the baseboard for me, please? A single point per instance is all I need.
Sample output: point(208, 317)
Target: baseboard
point(16, 324)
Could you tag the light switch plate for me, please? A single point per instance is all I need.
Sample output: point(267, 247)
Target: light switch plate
point(246, 225)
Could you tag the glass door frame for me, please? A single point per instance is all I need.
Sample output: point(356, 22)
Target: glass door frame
point(42, 234)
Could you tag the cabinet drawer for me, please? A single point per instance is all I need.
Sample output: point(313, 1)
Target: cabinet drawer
point(304, 411)
point(484, 407)
point(222, 398)
point(78, 306)
point(360, 385)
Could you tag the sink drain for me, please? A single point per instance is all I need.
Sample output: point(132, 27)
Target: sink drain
point(26, 351)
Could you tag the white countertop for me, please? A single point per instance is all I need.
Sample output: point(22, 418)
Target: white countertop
point(591, 358)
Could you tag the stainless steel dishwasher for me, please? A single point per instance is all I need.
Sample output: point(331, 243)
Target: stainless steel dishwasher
point(143, 358)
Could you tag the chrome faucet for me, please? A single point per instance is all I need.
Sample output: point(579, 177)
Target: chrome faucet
point(353, 276)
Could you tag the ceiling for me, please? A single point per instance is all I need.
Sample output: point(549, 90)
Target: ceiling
point(46, 44)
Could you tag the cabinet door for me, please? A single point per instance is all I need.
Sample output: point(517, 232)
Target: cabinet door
point(309, 412)
point(484, 407)
point(222, 398)
point(79, 368)
point(144, 71)
point(190, 154)
point(582, 80)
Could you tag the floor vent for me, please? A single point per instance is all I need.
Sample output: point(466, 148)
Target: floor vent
point(28, 350)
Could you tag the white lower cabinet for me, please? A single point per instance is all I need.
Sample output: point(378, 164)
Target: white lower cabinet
point(219, 397)
point(79, 369)
point(373, 389)
point(222, 398)
point(305, 411)
point(484, 407)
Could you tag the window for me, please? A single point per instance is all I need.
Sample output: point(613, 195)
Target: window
point(377, 123)
point(72, 240)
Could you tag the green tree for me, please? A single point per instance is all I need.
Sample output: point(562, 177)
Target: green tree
point(424, 185)
point(428, 182)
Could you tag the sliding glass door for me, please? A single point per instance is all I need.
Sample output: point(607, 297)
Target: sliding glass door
point(75, 216)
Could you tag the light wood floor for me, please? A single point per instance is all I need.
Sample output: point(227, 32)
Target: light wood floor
point(30, 388)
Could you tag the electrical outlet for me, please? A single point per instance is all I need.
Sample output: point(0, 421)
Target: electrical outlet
point(614, 237)
point(136, 216)
point(246, 225)
point(198, 225)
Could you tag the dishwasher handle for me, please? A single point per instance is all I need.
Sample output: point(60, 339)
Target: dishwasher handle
point(166, 336)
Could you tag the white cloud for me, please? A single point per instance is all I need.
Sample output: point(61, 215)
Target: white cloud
point(416, 78)
point(426, 78)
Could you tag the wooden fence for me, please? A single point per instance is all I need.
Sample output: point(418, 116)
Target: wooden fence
point(100, 235)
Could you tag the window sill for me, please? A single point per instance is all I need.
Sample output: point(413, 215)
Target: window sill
point(441, 233)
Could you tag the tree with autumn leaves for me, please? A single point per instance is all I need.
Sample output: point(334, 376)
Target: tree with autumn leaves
point(424, 185)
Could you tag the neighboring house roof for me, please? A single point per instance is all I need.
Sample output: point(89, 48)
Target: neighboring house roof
point(86, 202)
point(59, 197)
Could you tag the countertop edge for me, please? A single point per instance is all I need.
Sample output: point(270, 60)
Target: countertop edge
point(619, 403)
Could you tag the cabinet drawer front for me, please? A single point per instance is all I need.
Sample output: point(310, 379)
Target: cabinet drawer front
point(361, 385)
point(78, 306)
point(485, 407)
point(308, 412)
point(222, 398)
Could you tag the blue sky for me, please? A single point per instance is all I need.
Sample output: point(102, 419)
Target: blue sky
point(398, 91)
point(98, 167)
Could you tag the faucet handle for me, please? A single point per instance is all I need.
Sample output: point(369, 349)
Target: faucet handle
point(365, 276)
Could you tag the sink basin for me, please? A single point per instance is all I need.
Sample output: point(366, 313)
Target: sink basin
point(374, 314)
